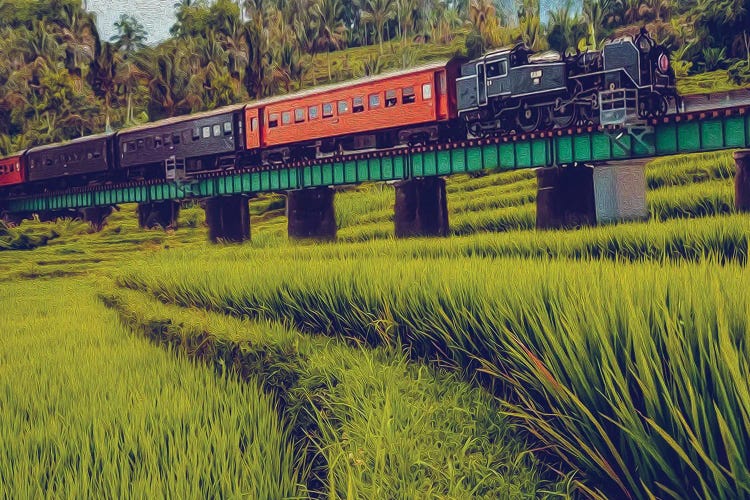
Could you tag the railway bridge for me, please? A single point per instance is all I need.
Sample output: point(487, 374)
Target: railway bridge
point(585, 175)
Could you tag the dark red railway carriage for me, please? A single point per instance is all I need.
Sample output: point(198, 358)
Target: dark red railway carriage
point(12, 170)
point(409, 106)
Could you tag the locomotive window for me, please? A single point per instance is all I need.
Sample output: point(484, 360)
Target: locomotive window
point(196, 133)
point(299, 115)
point(327, 110)
point(426, 91)
point(206, 132)
point(407, 95)
point(343, 107)
point(495, 69)
point(227, 128)
point(286, 117)
point(358, 104)
point(273, 120)
point(313, 112)
point(217, 130)
point(374, 101)
point(390, 98)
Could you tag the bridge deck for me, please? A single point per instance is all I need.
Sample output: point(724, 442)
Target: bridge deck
point(679, 133)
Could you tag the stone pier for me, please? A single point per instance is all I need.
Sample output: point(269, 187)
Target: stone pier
point(742, 180)
point(228, 218)
point(163, 214)
point(421, 208)
point(311, 214)
point(96, 216)
point(569, 197)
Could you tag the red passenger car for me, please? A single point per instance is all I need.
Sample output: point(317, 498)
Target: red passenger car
point(12, 170)
point(410, 106)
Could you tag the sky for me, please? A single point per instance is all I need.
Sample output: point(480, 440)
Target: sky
point(157, 16)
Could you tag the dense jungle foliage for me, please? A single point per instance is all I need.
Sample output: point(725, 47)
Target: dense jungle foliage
point(59, 79)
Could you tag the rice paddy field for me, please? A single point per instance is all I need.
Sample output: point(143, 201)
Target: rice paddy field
point(500, 362)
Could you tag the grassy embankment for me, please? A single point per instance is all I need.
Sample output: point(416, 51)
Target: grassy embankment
point(662, 410)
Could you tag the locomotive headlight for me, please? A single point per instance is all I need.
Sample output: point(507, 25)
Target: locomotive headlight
point(663, 63)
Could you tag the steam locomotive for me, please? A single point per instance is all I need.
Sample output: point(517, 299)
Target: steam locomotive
point(510, 90)
point(514, 89)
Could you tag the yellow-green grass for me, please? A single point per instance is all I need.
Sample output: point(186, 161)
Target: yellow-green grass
point(375, 424)
point(634, 373)
point(707, 83)
point(89, 411)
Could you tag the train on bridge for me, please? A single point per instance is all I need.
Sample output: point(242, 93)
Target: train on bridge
point(505, 91)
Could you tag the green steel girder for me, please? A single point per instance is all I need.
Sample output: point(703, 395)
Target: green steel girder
point(678, 134)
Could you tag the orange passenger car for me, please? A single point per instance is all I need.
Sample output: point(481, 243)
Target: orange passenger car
point(410, 106)
point(12, 171)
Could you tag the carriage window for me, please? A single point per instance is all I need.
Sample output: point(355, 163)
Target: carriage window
point(407, 95)
point(167, 140)
point(206, 132)
point(286, 117)
point(390, 98)
point(149, 143)
point(157, 142)
point(176, 138)
point(273, 120)
point(359, 105)
point(343, 107)
point(196, 133)
point(426, 91)
point(97, 154)
point(49, 161)
point(374, 101)
point(186, 136)
point(442, 84)
point(140, 143)
point(254, 124)
point(131, 146)
point(299, 115)
point(217, 130)
point(327, 110)
point(313, 112)
point(227, 128)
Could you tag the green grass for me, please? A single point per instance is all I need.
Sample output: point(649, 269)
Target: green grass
point(706, 83)
point(375, 424)
point(664, 398)
point(90, 411)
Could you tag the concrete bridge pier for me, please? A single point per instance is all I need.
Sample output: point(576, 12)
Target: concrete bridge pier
point(570, 197)
point(311, 214)
point(421, 208)
point(742, 180)
point(96, 216)
point(228, 218)
point(14, 219)
point(162, 214)
point(53, 215)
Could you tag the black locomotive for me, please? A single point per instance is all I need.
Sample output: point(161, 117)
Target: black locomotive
point(514, 89)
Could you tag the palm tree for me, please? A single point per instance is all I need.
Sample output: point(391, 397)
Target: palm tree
point(130, 35)
point(103, 75)
point(378, 13)
point(331, 32)
point(596, 12)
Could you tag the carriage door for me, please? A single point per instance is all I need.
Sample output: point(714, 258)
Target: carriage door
point(174, 169)
point(481, 85)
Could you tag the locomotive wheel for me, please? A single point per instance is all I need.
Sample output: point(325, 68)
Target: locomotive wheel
point(644, 108)
point(659, 105)
point(529, 119)
point(563, 116)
